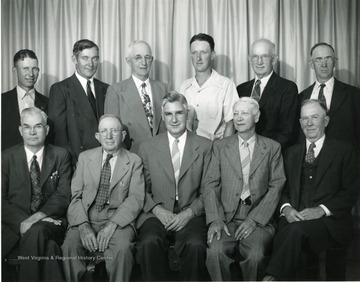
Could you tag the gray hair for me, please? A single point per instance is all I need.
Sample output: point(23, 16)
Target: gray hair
point(317, 102)
point(172, 97)
point(250, 101)
point(266, 41)
point(134, 43)
point(111, 116)
point(34, 111)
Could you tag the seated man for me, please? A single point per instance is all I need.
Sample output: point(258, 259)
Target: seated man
point(321, 188)
point(107, 196)
point(241, 191)
point(35, 195)
point(174, 166)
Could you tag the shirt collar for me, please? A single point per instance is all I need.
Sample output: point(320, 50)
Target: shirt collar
point(83, 80)
point(250, 141)
point(318, 144)
point(265, 79)
point(139, 82)
point(212, 80)
point(181, 139)
point(328, 84)
point(21, 93)
point(39, 154)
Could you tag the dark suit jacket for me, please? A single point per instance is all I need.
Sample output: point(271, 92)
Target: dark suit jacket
point(10, 117)
point(159, 174)
point(75, 123)
point(224, 180)
point(344, 113)
point(278, 107)
point(16, 189)
point(336, 185)
point(123, 100)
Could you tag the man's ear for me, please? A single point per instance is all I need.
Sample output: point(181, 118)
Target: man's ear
point(123, 133)
point(97, 136)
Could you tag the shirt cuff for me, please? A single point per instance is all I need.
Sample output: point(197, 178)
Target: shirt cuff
point(326, 210)
point(284, 206)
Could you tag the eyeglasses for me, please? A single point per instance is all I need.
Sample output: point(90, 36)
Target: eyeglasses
point(139, 58)
point(113, 132)
point(256, 58)
point(314, 119)
point(38, 128)
point(321, 60)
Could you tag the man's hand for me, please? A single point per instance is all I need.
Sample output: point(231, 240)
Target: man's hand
point(52, 220)
point(87, 236)
point(105, 234)
point(312, 213)
point(27, 223)
point(292, 214)
point(245, 229)
point(179, 221)
point(162, 214)
point(215, 229)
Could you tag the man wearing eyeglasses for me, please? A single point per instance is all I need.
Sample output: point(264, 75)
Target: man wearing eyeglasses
point(35, 193)
point(24, 95)
point(277, 96)
point(107, 195)
point(342, 100)
point(322, 185)
point(77, 103)
point(137, 100)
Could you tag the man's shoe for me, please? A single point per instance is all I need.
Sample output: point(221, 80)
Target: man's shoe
point(270, 278)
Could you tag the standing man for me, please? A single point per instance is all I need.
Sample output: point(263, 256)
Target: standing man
point(342, 100)
point(174, 166)
point(210, 95)
point(22, 96)
point(322, 185)
point(242, 189)
point(137, 100)
point(277, 97)
point(35, 194)
point(77, 103)
point(107, 196)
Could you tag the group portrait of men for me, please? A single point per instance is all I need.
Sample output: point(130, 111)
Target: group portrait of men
point(130, 174)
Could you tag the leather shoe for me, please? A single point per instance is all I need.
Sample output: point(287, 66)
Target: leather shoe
point(270, 278)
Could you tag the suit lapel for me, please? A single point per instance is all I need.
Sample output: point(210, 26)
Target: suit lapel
point(100, 98)
point(258, 155)
point(157, 99)
point(328, 153)
point(233, 154)
point(95, 166)
point(190, 154)
point(120, 169)
point(337, 98)
point(268, 90)
point(40, 103)
point(14, 114)
point(164, 155)
point(47, 165)
point(22, 169)
point(295, 172)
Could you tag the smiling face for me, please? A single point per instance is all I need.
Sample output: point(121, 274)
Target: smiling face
point(201, 55)
point(110, 134)
point(245, 117)
point(27, 72)
point(262, 58)
point(175, 117)
point(323, 62)
point(140, 60)
point(313, 121)
point(87, 62)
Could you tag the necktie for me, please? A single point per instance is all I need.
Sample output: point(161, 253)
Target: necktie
point(103, 192)
point(245, 165)
point(91, 97)
point(147, 105)
point(256, 91)
point(28, 99)
point(175, 157)
point(321, 96)
point(310, 155)
point(35, 185)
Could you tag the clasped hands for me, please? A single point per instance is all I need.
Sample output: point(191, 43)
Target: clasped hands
point(242, 232)
point(27, 223)
point(99, 242)
point(171, 221)
point(293, 215)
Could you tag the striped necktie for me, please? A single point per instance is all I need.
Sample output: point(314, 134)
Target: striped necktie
point(175, 157)
point(245, 165)
point(256, 91)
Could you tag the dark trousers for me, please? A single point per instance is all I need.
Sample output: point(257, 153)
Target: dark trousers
point(153, 244)
point(293, 239)
point(41, 244)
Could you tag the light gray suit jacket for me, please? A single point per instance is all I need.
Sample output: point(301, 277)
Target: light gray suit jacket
point(223, 182)
point(123, 100)
point(127, 188)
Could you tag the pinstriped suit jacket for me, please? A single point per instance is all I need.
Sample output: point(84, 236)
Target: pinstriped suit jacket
point(123, 100)
point(223, 181)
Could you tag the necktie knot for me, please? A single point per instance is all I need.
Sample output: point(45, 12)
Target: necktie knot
point(34, 158)
point(310, 155)
point(245, 144)
point(258, 82)
point(108, 157)
point(322, 85)
point(143, 85)
point(256, 91)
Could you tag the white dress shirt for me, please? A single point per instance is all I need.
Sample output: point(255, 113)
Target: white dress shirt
point(83, 82)
point(25, 101)
point(39, 156)
point(138, 84)
point(263, 83)
point(328, 90)
point(181, 144)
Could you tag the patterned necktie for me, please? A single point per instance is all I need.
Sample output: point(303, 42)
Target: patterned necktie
point(91, 97)
point(245, 165)
point(147, 105)
point(310, 155)
point(35, 185)
point(103, 192)
point(175, 157)
point(256, 91)
point(321, 96)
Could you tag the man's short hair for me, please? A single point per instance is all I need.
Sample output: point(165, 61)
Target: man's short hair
point(315, 101)
point(172, 97)
point(111, 116)
point(83, 44)
point(321, 44)
point(136, 42)
point(250, 101)
point(33, 111)
point(203, 37)
point(22, 54)
point(268, 42)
